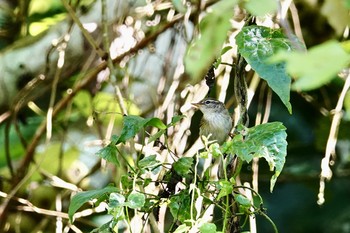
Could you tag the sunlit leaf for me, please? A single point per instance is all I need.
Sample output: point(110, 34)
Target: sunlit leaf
point(215, 150)
point(266, 141)
point(136, 200)
point(115, 205)
point(337, 14)
point(208, 228)
point(213, 33)
point(316, 67)
point(148, 162)
point(256, 44)
point(81, 198)
point(261, 7)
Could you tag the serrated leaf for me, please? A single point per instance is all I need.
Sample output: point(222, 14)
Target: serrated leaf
point(208, 228)
point(133, 124)
point(183, 165)
point(81, 198)
point(207, 46)
point(136, 200)
point(310, 69)
point(256, 44)
point(266, 141)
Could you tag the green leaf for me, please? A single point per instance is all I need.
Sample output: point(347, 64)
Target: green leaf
point(337, 14)
point(179, 6)
point(133, 124)
point(176, 119)
point(156, 135)
point(242, 200)
point(105, 228)
point(225, 187)
point(136, 200)
point(116, 204)
point(116, 200)
point(316, 67)
point(266, 141)
point(215, 150)
point(149, 162)
point(261, 7)
point(109, 153)
point(182, 228)
point(207, 46)
point(81, 198)
point(180, 206)
point(256, 44)
point(183, 165)
point(82, 101)
point(208, 228)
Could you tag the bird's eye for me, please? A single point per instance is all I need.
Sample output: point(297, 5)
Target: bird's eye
point(207, 102)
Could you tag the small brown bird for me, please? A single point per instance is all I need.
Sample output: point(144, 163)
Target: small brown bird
point(216, 121)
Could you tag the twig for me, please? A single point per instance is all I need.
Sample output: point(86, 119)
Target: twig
point(326, 172)
point(86, 34)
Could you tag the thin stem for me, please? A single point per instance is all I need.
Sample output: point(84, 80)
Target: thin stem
point(270, 220)
point(86, 34)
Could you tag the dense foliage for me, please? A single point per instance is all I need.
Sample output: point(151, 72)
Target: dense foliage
point(98, 132)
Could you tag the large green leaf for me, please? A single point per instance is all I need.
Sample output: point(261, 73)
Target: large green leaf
point(256, 44)
point(81, 198)
point(316, 67)
point(266, 141)
point(213, 33)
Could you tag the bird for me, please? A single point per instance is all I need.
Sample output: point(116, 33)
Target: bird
point(216, 122)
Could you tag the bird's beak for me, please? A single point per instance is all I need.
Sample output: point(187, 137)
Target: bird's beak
point(196, 105)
